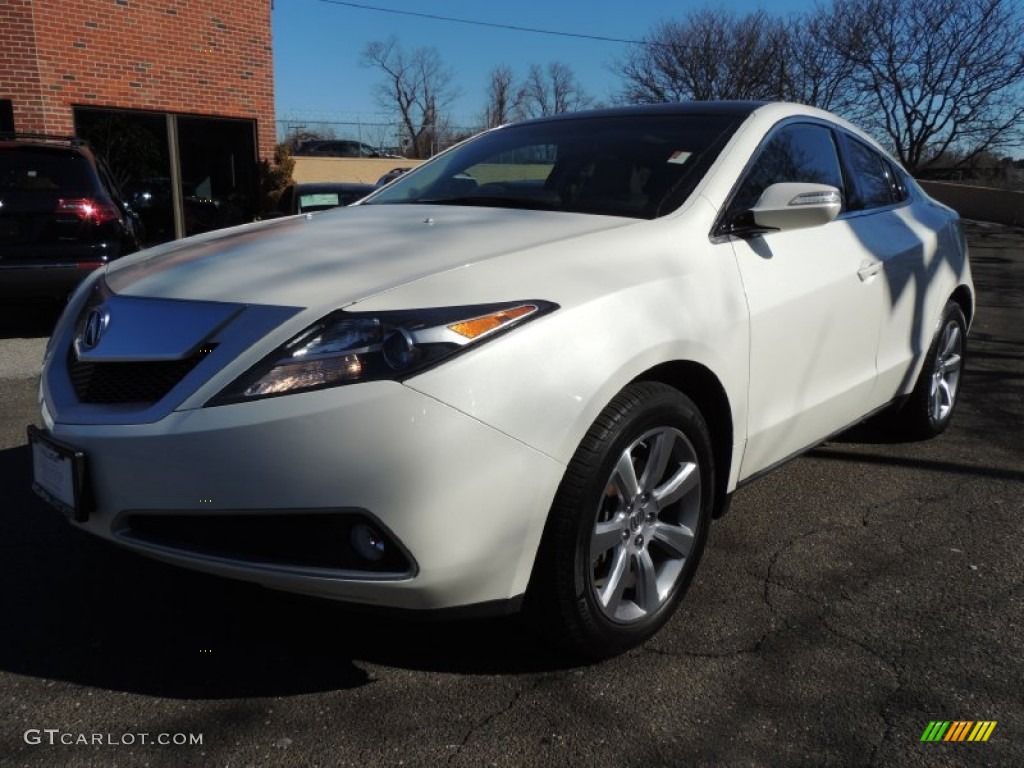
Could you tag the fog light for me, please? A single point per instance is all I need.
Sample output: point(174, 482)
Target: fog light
point(368, 543)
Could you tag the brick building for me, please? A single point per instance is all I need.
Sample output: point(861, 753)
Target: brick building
point(178, 94)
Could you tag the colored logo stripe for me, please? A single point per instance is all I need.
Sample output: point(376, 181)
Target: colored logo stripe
point(982, 731)
point(958, 730)
point(935, 731)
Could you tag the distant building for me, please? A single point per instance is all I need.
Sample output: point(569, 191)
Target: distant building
point(177, 94)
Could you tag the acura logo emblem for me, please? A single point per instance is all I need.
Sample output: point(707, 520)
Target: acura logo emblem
point(96, 323)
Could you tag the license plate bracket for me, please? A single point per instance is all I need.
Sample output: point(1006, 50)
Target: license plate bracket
point(59, 475)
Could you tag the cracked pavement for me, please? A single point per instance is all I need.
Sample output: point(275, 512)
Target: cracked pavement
point(848, 599)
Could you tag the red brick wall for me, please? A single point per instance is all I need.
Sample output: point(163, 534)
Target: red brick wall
point(19, 74)
point(208, 57)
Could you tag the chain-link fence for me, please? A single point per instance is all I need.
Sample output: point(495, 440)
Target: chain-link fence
point(388, 137)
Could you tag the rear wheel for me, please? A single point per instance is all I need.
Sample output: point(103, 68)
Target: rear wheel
point(628, 524)
point(930, 408)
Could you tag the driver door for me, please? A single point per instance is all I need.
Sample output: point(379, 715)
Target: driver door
point(815, 300)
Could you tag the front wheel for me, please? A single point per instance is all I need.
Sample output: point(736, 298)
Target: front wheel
point(628, 524)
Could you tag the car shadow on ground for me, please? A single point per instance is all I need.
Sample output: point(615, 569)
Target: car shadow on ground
point(84, 611)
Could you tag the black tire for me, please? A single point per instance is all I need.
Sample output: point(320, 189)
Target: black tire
point(930, 408)
point(618, 554)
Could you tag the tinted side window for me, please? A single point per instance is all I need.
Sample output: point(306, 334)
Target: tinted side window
point(796, 153)
point(874, 185)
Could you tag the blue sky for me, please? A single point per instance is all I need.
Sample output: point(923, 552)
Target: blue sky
point(317, 46)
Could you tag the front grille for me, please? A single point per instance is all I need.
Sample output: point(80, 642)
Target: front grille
point(129, 382)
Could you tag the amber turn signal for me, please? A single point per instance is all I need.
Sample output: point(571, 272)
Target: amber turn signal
point(478, 326)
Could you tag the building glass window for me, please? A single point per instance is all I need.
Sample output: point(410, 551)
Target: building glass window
point(218, 172)
point(6, 116)
point(216, 165)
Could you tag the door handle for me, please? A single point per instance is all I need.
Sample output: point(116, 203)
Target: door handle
point(868, 270)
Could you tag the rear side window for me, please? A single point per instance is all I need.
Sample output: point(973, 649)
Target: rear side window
point(900, 191)
point(876, 183)
point(794, 153)
point(38, 170)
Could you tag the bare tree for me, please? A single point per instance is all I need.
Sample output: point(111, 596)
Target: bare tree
point(934, 75)
point(504, 98)
point(711, 54)
point(935, 78)
point(417, 87)
point(551, 91)
point(817, 73)
point(379, 135)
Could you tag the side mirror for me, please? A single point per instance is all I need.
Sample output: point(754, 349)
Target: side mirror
point(791, 205)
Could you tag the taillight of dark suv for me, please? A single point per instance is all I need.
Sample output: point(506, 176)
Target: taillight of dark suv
point(88, 210)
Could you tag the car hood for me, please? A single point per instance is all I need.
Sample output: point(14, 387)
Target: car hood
point(342, 255)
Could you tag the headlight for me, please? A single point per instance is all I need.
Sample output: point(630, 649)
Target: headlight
point(351, 347)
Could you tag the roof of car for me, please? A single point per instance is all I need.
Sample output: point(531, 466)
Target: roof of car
point(44, 146)
point(736, 108)
point(19, 139)
point(767, 110)
point(40, 143)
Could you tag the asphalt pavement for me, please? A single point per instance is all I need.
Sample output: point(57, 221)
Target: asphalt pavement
point(847, 601)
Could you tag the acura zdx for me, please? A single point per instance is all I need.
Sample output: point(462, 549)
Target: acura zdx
point(525, 375)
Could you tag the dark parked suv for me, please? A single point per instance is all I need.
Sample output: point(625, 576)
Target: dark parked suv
point(61, 215)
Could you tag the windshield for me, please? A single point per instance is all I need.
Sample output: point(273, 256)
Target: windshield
point(641, 166)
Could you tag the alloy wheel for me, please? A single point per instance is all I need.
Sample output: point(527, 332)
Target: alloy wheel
point(646, 525)
point(946, 373)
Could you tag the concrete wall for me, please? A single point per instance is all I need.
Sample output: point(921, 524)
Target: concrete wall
point(982, 203)
point(363, 170)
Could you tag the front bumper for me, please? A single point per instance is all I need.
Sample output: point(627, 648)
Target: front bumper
point(466, 503)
